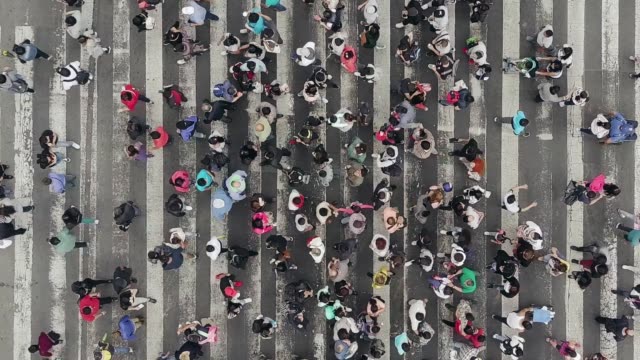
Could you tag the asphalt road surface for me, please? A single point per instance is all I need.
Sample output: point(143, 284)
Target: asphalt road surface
point(35, 282)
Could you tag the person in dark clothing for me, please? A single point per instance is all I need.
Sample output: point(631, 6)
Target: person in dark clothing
point(87, 286)
point(72, 217)
point(124, 214)
point(175, 205)
point(215, 161)
point(278, 242)
point(469, 151)
point(136, 128)
point(524, 252)
point(510, 287)
point(8, 230)
point(273, 155)
point(248, 152)
point(620, 328)
point(320, 155)
point(192, 348)
point(298, 291)
point(597, 266)
point(173, 96)
point(582, 277)
point(345, 248)
point(458, 205)
point(239, 257)
point(382, 194)
point(217, 110)
point(504, 265)
point(3, 172)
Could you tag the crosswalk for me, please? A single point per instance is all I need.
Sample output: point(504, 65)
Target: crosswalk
point(34, 287)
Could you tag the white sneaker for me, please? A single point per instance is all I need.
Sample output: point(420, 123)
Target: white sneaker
point(247, 300)
point(181, 62)
point(443, 232)
point(188, 208)
point(243, 31)
point(440, 255)
point(75, 145)
point(487, 233)
point(325, 100)
point(399, 26)
point(223, 52)
point(96, 222)
point(414, 243)
point(632, 58)
point(66, 160)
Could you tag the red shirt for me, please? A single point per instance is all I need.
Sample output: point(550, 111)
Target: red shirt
point(45, 344)
point(474, 338)
point(181, 174)
point(135, 94)
point(90, 302)
point(163, 140)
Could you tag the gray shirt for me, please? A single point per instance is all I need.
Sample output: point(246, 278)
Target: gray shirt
point(544, 90)
point(30, 52)
point(199, 12)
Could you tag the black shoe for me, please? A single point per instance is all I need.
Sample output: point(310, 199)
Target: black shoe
point(490, 286)
point(134, 280)
point(28, 208)
point(152, 300)
point(21, 231)
point(572, 247)
point(114, 298)
point(575, 261)
point(453, 140)
point(451, 153)
point(8, 177)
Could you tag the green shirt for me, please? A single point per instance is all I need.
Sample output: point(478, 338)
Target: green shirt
point(634, 237)
point(351, 151)
point(67, 241)
point(467, 274)
point(271, 2)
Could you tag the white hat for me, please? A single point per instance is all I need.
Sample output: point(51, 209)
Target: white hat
point(371, 9)
point(188, 10)
point(218, 203)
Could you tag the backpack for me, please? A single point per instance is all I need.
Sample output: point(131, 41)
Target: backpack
point(83, 77)
point(78, 288)
point(393, 170)
point(453, 97)
point(218, 90)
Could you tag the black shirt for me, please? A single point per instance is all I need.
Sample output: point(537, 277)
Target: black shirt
point(194, 349)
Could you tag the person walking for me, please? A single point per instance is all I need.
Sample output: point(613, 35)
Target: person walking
point(543, 38)
point(73, 75)
point(26, 51)
point(91, 304)
point(518, 123)
point(566, 348)
point(46, 342)
point(127, 327)
point(129, 96)
point(92, 43)
point(11, 81)
point(513, 346)
point(619, 327)
point(197, 14)
point(72, 217)
point(65, 241)
point(547, 92)
point(577, 97)
point(124, 214)
point(87, 286)
point(630, 234)
point(510, 202)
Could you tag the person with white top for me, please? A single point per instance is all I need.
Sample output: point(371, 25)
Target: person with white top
point(425, 260)
point(317, 248)
point(302, 223)
point(370, 10)
point(380, 245)
point(544, 37)
point(478, 53)
point(510, 202)
point(306, 55)
point(177, 236)
point(343, 120)
point(345, 324)
point(472, 217)
point(296, 200)
point(531, 233)
point(475, 194)
point(73, 75)
point(386, 158)
point(600, 127)
point(457, 256)
point(517, 320)
point(417, 313)
point(439, 20)
point(214, 248)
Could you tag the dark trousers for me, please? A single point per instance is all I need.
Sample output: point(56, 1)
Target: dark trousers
point(143, 98)
point(539, 99)
point(635, 76)
point(105, 300)
point(586, 131)
point(626, 229)
point(41, 54)
point(80, 244)
point(449, 323)
point(91, 283)
point(593, 249)
point(501, 319)
point(506, 120)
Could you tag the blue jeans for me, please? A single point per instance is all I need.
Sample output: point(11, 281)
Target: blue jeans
point(120, 350)
point(278, 7)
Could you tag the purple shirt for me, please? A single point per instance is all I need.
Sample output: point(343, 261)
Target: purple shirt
point(58, 182)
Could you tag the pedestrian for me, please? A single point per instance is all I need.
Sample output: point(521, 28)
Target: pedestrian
point(137, 151)
point(49, 139)
point(555, 262)
point(87, 286)
point(8, 230)
point(510, 202)
point(46, 342)
point(408, 50)
point(331, 20)
point(73, 75)
point(93, 44)
point(412, 14)
point(472, 217)
point(190, 48)
point(393, 220)
point(72, 21)
point(130, 96)
point(91, 304)
point(577, 97)
point(498, 237)
point(76, 3)
point(188, 128)
point(423, 143)
point(72, 217)
point(439, 19)
point(370, 35)
point(264, 326)
point(461, 351)
point(553, 70)
point(531, 233)
point(513, 346)
point(518, 123)
point(597, 265)
point(566, 348)
point(510, 287)
point(342, 120)
point(583, 278)
point(26, 51)
point(65, 241)
point(402, 343)
point(461, 238)
point(517, 320)
point(127, 327)
point(189, 351)
point(143, 21)
point(236, 185)
point(543, 38)
point(619, 327)
point(197, 14)
point(124, 214)
point(11, 81)
point(547, 92)
point(386, 161)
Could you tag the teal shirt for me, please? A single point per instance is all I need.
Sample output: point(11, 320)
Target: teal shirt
point(271, 2)
point(633, 237)
point(204, 174)
point(399, 340)
point(515, 123)
point(258, 26)
point(67, 241)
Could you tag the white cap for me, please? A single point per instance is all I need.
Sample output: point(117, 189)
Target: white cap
point(188, 10)
point(218, 203)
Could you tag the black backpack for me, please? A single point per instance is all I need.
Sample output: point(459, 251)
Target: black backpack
point(393, 170)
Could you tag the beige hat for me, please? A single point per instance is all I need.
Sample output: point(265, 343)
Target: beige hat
point(188, 10)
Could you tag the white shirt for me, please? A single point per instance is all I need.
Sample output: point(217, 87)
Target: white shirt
point(515, 321)
point(380, 253)
point(481, 47)
point(370, 18)
point(217, 246)
point(598, 130)
point(475, 215)
point(385, 160)
point(456, 249)
point(510, 207)
point(416, 306)
point(515, 342)
point(316, 243)
point(440, 290)
point(544, 41)
point(342, 124)
point(294, 194)
point(440, 23)
point(345, 323)
point(303, 227)
point(70, 81)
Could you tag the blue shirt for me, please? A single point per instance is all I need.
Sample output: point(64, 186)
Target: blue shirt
point(58, 182)
point(176, 258)
point(187, 133)
point(515, 123)
point(127, 328)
